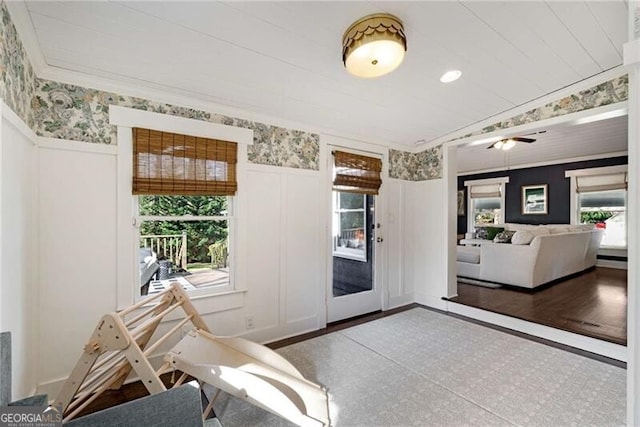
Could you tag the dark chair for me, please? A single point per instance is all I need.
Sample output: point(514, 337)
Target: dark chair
point(176, 407)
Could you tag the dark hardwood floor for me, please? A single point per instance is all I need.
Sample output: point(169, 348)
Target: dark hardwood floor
point(592, 304)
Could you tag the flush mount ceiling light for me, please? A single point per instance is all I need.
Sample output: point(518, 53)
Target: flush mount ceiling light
point(450, 76)
point(374, 45)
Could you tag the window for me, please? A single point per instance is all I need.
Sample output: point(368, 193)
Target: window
point(183, 188)
point(184, 239)
point(599, 196)
point(607, 210)
point(486, 202)
point(349, 226)
point(486, 211)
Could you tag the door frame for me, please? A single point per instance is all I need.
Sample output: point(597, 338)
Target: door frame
point(328, 144)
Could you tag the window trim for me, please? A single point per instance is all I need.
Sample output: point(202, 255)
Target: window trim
point(126, 119)
point(502, 180)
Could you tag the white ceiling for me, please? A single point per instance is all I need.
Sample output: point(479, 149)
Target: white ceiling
point(283, 59)
point(558, 143)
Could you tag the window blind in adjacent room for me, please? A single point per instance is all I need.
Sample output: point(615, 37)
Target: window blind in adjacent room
point(355, 173)
point(591, 183)
point(172, 164)
point(485, 191)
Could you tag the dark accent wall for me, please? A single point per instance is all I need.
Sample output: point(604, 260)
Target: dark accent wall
point(350, 276)
point(558, 192)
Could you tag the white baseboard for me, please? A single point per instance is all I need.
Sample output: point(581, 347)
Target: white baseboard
point(431, 301)
point(399, 301)
point(603, 348)
point(609, 263)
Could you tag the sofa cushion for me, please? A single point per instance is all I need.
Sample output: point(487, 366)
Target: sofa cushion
point(514, 226)
point(504, 237)
point(490, 231)
point(522, 237)
point(540, 231)
point(559, 230)
point(469, 254)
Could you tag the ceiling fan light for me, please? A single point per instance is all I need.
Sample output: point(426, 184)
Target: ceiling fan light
point(374, 45)
point(498, 145)
point(508, 144)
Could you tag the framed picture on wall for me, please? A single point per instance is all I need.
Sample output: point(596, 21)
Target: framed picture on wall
point(461, 203)
point(534, 200)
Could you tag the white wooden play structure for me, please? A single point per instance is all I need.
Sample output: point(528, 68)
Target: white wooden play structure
point(122, 343)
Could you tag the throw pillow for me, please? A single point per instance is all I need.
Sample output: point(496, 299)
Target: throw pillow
point(481, 233)
point(503, 237)
point(522, 237)
point(493, 231)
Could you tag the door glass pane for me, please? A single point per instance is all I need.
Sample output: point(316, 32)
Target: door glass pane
point(352, 243)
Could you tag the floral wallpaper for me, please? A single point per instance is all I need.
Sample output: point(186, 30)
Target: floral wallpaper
point(610, 92)
point(82, 114)
point(420, 166)
point(17, 79)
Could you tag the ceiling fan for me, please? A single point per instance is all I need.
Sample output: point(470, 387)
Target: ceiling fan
point(509, 143)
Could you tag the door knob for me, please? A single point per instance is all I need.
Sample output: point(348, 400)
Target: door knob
point(379, 240)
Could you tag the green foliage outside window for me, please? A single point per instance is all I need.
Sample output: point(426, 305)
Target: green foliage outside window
point(593, 217)
point(200, 234)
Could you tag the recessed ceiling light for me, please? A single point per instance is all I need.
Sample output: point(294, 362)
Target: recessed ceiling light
point(450, 76)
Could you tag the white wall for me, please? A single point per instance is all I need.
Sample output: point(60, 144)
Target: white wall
point(77, 222)
point(426, 218)
point(18, 259)
point(282, 261)
point(399, 241)
point(415, 234)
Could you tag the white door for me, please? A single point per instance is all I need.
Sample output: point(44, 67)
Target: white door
point(354, 279)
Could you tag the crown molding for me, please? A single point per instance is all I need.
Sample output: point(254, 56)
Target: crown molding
point(536, 103)
point(159, 93)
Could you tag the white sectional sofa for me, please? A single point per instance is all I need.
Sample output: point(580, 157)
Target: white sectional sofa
point(553, 252)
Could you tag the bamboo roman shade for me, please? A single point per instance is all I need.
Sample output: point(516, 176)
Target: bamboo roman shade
point(172, 164)
point(356, 174)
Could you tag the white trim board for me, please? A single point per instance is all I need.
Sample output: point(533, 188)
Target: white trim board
point(70, 145)
point(16, 121)
point(548, 163)
point(131, 118)
point(592, 345)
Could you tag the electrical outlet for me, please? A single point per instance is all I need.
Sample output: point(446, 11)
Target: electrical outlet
point(249, 322)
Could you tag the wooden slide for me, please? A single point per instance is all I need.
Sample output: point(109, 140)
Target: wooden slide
point(121, 343)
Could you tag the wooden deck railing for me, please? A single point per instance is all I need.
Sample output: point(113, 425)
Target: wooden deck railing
point(170, 246)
